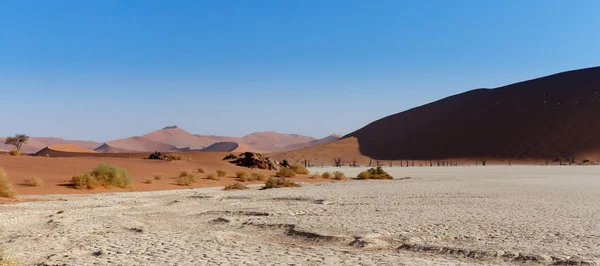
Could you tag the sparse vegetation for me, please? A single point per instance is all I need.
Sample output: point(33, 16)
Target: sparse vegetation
point(326, 175)
point(315, 175)
point(258, 176)
point(14, 153)
point(186, 178)
point(241, 175)
point(174, 157)
point(299, 169)
point(221, 173)
point(157, 177)
point(212, 176)
point(337, 175)
point(105, 175)
point(374, 173)
point(148, 181)
point(6, 190)
point(279, 182)
point(34, 182)
point(5, 260)
point(236, 186)
point(201, 170)
point(285, 172)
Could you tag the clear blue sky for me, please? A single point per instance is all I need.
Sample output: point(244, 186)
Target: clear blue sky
point(96, 69)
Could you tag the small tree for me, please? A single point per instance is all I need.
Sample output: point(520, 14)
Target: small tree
point(18, 140)
point(337, 162)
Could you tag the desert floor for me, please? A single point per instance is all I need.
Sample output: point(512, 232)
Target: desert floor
point(440, 216)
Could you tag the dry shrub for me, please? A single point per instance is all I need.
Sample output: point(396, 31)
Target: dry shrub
point(315, 175)
point(257, 177)
point(285, 172)
point(186, 178)
point(337, 175)
point(14, 153)
point(174, 157)
point(326, 175)
point(201, 170)
point(6, 190)
point(374, 173)
point(279, 182)
point(236, 186)
point(212, 176)
point(157, 177)
point(34, 182)
point(299, 169)
point(105, 175)
point(221, 173)
point(148, 181)
point(242, 176)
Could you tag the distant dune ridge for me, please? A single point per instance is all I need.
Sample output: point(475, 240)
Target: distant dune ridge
point(549, 117)
point(35, 144)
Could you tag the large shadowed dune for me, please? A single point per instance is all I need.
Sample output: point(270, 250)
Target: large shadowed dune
point(549, 117)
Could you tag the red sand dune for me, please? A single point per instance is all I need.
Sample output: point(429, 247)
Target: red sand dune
point(179, 138)
point(272, 141)
point(62, 149)
point(549, 117)
point(325, 140)
point(35, 144)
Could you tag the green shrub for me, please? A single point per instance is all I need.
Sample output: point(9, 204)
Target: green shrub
point(14, 153)
point(6, 190)
point(236, 186)
point(299, 169)
point(186, 178)
point(326, 175)
point(337, 175)
point(221, 173)
point(105, 175)
point(279, 182)
point(285, 172)
point(374, 173)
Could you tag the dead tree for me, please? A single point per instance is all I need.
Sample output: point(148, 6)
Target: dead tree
point(483, 162)
point(337, 162)
point(392, 164)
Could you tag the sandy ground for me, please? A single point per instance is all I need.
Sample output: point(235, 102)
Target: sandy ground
point(441, 216)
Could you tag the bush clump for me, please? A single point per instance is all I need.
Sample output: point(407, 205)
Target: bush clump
point(326, 175)
point(299, 169)
point(14, 153)
point(315, 175)
point(337, 175)
point(241, 175)
point(236, 186)
point(374, 173)
point(105, 175)
point(285, 172)
point(6, 190)
point(279, 182)
point(201, 170)
point(34, 182)
point(186, 178)
point(174, 157)
point(212, 176)
point(221, 173)
point(257, 177)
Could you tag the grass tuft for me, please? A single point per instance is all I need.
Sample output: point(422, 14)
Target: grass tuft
point(236, 186)
point(14, 153)
point(299, 169)
point(326, 175)
point(201, 170)
point(34, 182)
point(279, 182)
point(105, 175)
point(186, 178)
point(6, 190)
point(285, 172)
point(337, 175)
point(212, 176)
point(221, 173)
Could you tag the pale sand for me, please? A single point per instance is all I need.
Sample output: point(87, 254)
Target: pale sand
point(441, 216)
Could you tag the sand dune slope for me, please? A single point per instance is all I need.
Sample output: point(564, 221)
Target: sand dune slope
point(61, 149)
point(549, 117)
point(135, 144)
